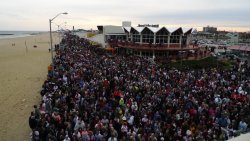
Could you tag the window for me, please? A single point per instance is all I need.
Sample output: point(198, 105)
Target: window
point(174, 39)
point(184, 40)
point(136, 38)
point(147, 36)
point(162, 36)
point(161, 39)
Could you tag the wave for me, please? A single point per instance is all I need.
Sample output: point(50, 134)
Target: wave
point(17, 34)
point(5, 34)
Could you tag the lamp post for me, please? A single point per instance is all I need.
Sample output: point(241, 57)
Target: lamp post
point(51, 48)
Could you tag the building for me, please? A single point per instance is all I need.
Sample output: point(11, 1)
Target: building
point(244, 37)
point(233, 38)
point(147, 34)
point(151, 40)
point(210, 29)
point(126, 23)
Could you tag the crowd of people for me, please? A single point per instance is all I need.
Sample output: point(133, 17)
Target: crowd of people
point(91, 95)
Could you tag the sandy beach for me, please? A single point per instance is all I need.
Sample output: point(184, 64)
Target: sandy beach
point(22, 73)
point(242, 137)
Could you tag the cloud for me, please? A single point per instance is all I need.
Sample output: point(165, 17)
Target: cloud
point(95, 12)
point(217, 17)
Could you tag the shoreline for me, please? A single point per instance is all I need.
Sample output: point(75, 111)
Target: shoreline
point(7, 34)
point(19, 34)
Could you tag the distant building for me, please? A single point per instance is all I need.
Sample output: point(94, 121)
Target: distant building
point(233, 38)
point(210, 29)
point(126, 23)
point(244, 37)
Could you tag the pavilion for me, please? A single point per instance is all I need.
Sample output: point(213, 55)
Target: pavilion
point(154, 41)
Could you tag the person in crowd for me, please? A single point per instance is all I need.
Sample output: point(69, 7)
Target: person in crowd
point(32, 121)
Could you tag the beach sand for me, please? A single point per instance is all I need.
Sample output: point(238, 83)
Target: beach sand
point(242, 137)
point(22, 73)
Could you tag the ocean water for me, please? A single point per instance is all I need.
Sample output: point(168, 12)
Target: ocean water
point(16, 34)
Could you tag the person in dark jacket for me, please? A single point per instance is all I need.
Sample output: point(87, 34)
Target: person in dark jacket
point(32, 121)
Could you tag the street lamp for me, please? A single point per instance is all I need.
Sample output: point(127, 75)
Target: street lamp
point(51, 48)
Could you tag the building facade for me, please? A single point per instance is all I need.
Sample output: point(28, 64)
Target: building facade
point(172, 37)
point(210, 29)
point(233, 38)
point(153, 41)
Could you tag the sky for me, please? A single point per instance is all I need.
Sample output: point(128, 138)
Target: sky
point(34, 15)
